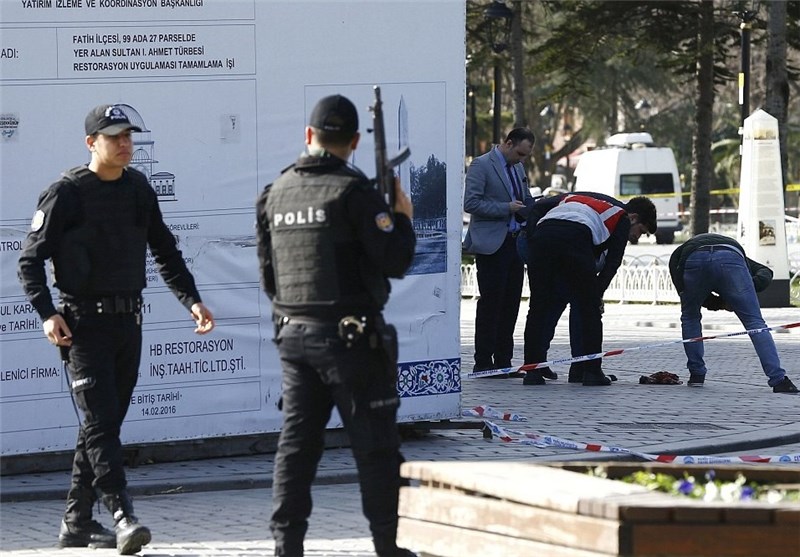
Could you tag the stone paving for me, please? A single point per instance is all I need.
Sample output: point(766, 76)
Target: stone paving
point(220, 507)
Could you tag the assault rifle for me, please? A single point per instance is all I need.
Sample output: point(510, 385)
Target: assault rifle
point(384, 166)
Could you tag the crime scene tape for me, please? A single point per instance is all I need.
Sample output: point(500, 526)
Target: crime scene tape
point(485, 411)
point(550, 441)
point(617, 352)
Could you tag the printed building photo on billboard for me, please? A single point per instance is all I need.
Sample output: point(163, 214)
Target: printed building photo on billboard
point(413, 118)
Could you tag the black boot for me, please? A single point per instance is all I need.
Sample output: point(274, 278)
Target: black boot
point(131, 535)
point(396, 552)
point(595, 378)
point(78, 529)
point(399, 552)
point(575, 374)
point(386, 544)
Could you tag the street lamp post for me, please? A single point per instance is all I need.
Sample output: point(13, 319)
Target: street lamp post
point(643, 108)
point(746, 16)
point(548, 116)
point(498, 25)
point(473, 121)
point(497, 109)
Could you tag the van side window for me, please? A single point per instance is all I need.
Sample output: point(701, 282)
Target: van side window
point(646, 184)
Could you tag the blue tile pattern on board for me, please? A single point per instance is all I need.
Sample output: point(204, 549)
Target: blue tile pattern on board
point(429, 377)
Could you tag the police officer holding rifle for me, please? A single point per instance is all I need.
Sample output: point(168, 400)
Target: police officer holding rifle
point(327, 244)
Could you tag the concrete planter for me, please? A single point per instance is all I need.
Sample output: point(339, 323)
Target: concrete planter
point(516, 509)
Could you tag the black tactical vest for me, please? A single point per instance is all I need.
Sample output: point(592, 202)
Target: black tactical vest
point(320, 268)
point(106, 253)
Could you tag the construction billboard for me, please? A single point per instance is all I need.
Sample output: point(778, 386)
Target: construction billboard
point(222, 90)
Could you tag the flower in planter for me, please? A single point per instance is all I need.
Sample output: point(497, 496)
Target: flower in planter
point(685, 487)
point(711, 489)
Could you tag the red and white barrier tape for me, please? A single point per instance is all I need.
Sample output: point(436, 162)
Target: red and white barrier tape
point(549, 441)
point(528, 367)
point(485, 411)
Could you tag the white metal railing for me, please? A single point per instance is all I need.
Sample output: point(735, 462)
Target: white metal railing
point(469, 282)
point(643, 278)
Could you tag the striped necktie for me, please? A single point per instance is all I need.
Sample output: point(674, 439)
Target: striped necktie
point(514, 184)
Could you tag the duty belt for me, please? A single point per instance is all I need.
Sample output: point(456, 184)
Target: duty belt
point(350, 328)
point(109, 304)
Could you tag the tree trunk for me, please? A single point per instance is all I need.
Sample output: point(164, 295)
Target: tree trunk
point(702, 163)
point(518, 66)
point(777, 99)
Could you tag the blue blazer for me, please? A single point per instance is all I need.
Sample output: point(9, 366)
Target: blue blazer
point(487, 194)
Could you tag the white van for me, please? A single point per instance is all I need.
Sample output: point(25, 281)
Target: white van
point(630, 165)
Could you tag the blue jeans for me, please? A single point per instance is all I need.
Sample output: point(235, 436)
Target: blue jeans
point(725, 272)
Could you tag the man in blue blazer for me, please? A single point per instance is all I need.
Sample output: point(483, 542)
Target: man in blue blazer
point(495, 195)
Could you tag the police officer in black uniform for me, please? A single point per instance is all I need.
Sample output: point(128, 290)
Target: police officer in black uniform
point(327, 242)
point(95, 224)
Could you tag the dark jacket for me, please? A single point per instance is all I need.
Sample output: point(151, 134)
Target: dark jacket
point(762, 275)
point(615, 245)
point(109, 256)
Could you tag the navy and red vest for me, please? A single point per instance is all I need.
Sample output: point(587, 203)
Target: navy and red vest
point(599, 215)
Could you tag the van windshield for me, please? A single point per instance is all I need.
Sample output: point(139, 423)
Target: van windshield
point(646, 184)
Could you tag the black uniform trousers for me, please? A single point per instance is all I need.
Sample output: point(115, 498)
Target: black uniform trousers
point(562, 270)
point(500, 278)
point(320, 371)
point(103, 367)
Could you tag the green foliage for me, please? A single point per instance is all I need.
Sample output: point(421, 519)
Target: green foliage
point(429, 189)
point(727, 162)
point(595, 58)
point(610, 53)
